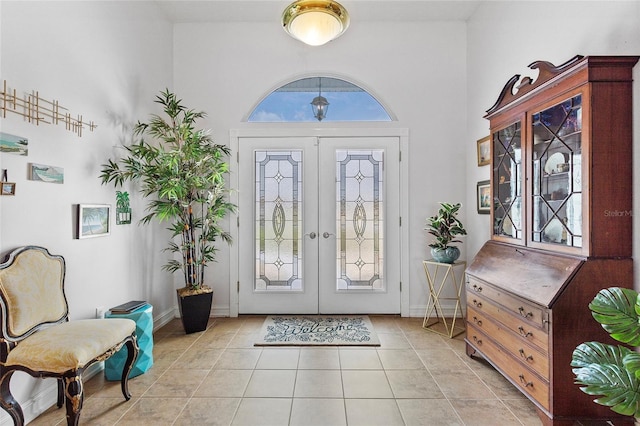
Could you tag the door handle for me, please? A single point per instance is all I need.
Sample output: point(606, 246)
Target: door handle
point(311, 235)
point(326, 234)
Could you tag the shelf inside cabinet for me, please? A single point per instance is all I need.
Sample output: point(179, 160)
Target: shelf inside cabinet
point(556, 175)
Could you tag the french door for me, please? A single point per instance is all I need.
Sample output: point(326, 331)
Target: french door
point(319, 225)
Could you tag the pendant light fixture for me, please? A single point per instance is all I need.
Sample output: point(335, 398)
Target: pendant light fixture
point(315, 22)
point(319, 104)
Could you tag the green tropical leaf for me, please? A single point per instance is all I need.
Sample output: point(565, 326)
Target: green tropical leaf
point(632, 363)
point(616, 309)
point(600, 370)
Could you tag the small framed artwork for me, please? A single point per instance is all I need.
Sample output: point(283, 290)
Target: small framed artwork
point(483, 194)
point(484, 151)
point(44, 173)
point(8, 188)
point(93, 220)
point(13, 144)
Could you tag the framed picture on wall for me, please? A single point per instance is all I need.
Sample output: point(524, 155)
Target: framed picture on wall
point(93, 220)
point(8, 188)
point(483, 195)
point(484, 151)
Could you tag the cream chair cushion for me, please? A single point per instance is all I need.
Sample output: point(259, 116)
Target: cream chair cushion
point(32, 299)
point(69, 345)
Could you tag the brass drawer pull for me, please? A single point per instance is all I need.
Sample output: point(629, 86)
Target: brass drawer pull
point(523, 355)
point(524, 382)
point(477, 304)
point(477, 288)
point(478, 341)
point(523, 333)
point(525, 315)
point(477, 321)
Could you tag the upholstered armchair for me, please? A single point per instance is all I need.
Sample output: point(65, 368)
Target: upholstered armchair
point(38, 338)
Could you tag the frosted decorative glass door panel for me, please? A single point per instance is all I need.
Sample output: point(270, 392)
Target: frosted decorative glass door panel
point(360, 222)
point(278, 220)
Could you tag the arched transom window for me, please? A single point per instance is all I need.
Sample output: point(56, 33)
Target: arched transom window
point(319, 99)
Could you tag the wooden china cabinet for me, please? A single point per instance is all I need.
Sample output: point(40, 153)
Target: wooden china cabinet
point(561, 185)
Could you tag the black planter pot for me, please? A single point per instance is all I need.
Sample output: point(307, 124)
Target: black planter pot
point(195, 311)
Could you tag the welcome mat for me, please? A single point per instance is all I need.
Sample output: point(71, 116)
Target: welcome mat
point(312, 330)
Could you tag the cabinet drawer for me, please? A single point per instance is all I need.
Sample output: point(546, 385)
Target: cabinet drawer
point(513, 343)
point(535, 314)
point(508, 319)
point(517, 373)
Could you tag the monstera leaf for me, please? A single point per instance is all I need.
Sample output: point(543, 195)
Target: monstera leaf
point(617, 309)
point(612, 372)
point(603, 370)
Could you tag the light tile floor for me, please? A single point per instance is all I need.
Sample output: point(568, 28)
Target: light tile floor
point(218, 377)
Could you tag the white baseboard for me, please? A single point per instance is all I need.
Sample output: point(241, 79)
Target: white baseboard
point(220, 312)
point(162, 319)
point(447, 310)
point(36, 405)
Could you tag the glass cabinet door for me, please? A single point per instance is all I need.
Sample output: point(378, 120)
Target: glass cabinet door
point(557, 174)
point(507, 182)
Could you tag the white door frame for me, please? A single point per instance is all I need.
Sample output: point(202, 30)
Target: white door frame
point(401, 133)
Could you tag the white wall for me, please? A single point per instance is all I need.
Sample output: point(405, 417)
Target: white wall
point(106, 61)
point(501, 43)
point(416, 69)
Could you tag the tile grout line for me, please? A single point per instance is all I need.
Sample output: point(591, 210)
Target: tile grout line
point(446, 397)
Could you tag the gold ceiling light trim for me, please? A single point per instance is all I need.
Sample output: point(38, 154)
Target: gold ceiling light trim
point(315, 22)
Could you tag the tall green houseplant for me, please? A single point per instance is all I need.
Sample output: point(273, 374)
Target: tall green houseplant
point(182, 173)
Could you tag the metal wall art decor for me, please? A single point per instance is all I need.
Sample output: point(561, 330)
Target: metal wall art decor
point(36, 110)
point(93, 220)
point(12, 144)
point(123, 210)
point(44, 173)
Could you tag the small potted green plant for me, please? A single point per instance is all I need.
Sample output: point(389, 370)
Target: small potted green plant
point(445, 226)
point(612, 373)
point(183, 174)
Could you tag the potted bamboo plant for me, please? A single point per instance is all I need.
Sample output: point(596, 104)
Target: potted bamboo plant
point(182, 173)
point(445, 226)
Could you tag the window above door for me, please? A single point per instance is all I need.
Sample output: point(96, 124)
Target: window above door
point(293, 103)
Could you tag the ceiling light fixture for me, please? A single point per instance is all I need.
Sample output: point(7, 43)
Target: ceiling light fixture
point(315, 22)
point(319, 104)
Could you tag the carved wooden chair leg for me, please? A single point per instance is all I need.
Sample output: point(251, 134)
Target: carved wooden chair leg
point(9, 404)
point(74, 397)
point(132, 355)
point(60, 393)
